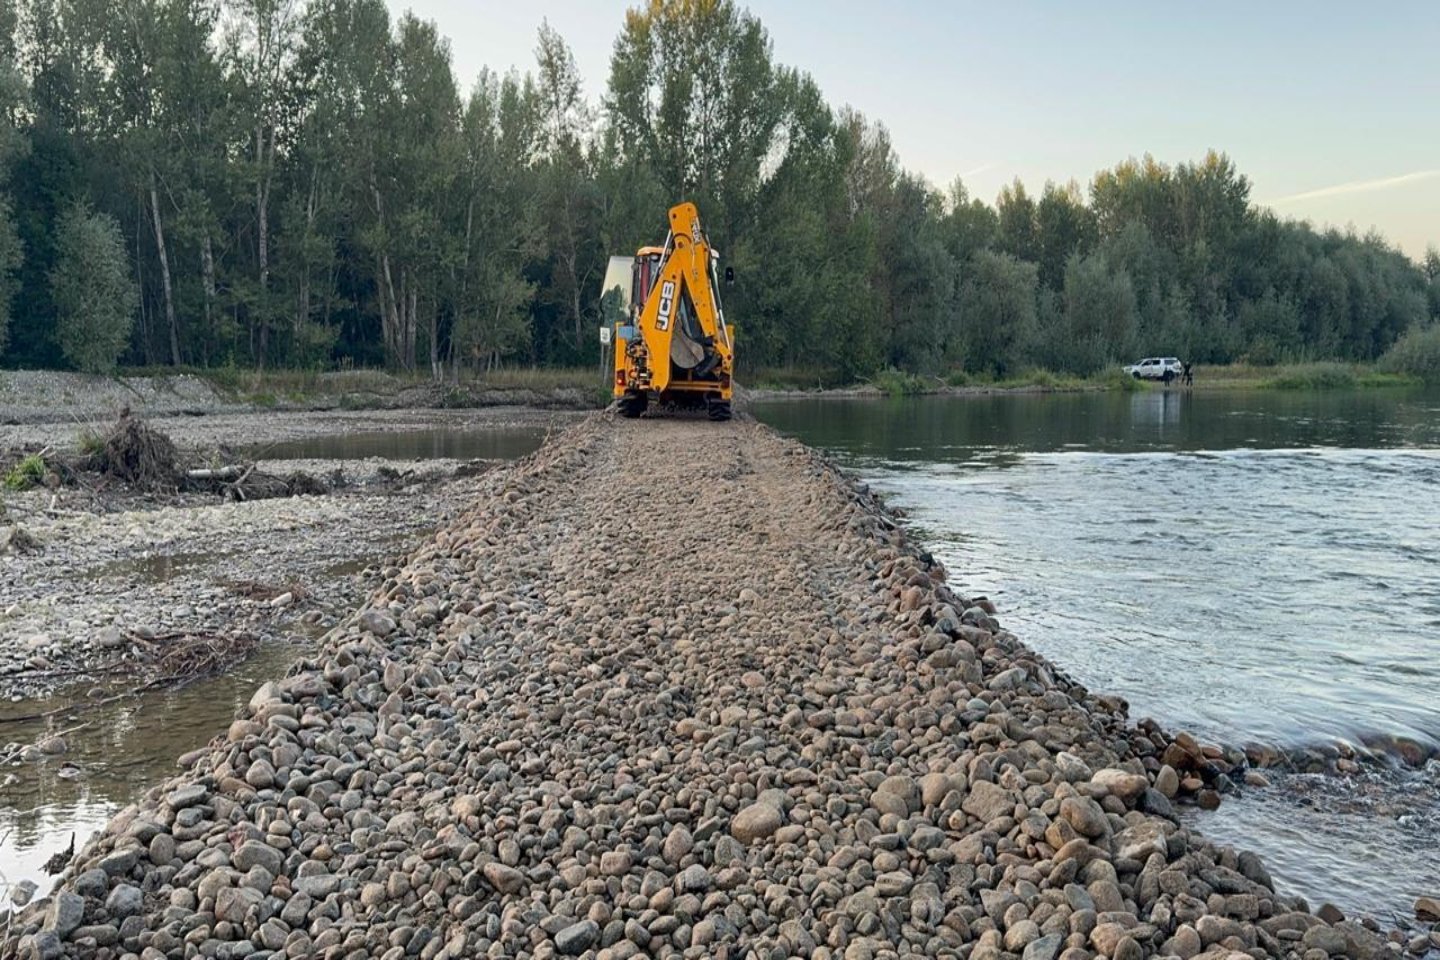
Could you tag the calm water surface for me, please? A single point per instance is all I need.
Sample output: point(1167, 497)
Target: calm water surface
point(1253, 566)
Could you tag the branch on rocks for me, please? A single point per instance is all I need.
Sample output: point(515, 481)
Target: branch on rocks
point(243, 482)
point(171, 661)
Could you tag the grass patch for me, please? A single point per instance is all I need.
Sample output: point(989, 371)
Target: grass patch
point(790, 378)
point(29, 472)
point(540, 378)
point(897, 383)
point(1335, 376)
point(1120, 381)
point(1311, 376)
point(90, 442)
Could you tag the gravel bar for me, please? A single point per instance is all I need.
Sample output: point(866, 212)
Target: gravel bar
point(672, 689)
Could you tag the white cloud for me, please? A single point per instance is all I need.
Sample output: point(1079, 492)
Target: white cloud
point(1358, 186)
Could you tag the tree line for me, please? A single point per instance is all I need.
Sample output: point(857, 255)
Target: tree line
point(303, 183)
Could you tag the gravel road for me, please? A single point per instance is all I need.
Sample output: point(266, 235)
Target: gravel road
point(673, 689)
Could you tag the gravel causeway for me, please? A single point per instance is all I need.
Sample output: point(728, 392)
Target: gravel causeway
point(673, 689)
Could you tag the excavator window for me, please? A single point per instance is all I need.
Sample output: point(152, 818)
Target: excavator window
point(647, 266)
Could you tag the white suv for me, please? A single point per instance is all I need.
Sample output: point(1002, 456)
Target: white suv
point(1156, 368)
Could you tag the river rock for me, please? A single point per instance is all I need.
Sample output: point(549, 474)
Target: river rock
point(1121, 783)
point(934, 787)
point(44, 945)
point(120, 862)
point(1085, 816)
point(502, 878)
point(67, 910)
point(678, 844)
point(988, 801)
point(904, 789)
point(1427, 909)
point(91, 883)
point(1327, 938)
point(232, 903)
point(577, 938)
point(23, 892)
point(1045, 948)
point(255, 853)
point(756, 822)
point(124, 901)
point(377, 623)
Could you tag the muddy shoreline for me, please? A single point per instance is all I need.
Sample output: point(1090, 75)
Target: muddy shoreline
point(864, 718)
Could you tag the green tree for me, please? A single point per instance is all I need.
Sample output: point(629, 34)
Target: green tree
point(1063, 226)
point(567, 184)
point(692, 94)
point(1431, 269)
point(12, 145)
point(262, 38)
point(500, 137)
point(92, 290)
point(1018, 233)
point(969, 225)
point(1099, 314)
point(997, 311)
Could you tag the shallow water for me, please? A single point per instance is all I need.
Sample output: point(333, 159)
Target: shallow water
point(1251, 566)
point(117, 752)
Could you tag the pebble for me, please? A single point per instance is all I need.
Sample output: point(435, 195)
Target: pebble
point(577, 938)
point(755, 822)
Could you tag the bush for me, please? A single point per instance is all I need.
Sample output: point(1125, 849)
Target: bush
point(28, 473)
point(1416, 354)
point(898, 383)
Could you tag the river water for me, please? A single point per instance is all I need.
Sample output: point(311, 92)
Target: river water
point(1256, 567)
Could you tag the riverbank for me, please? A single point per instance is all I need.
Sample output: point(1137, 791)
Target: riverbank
point(29, 397)
point(770, 385)
point(746, 715)
point(255, 430)
point(106, 585)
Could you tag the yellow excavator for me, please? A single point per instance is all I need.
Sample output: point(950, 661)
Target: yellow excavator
point(672, 346)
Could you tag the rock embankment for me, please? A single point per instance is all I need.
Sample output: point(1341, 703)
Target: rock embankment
point(671, 689)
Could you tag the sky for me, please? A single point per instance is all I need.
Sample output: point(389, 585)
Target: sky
point(1331, 109)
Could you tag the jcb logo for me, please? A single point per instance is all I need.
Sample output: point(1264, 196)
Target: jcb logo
point(667, 304)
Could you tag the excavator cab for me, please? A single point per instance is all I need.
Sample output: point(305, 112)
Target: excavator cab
point(646, 269)
point(673, 346)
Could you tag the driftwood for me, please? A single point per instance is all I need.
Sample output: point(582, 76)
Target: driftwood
point(137, 453)
point(170, 661)
point(242, 481)
point(230, 473)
